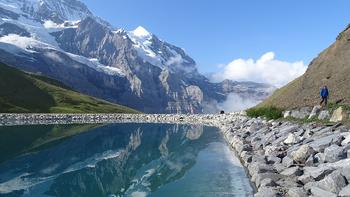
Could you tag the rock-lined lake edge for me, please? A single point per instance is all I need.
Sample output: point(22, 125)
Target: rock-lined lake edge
point(281, 158)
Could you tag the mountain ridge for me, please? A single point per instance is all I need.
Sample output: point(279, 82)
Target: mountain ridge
point(89, 55)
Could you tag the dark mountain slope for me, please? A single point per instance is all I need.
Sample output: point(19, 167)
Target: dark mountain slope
point(22, 92)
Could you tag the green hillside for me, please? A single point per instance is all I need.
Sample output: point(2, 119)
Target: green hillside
point(331, 68)
point(27, 93)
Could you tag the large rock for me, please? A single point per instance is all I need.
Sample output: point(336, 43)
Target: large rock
point(305, 179)
point(334, 182)
point(287, 161)
point(345, 191)
point(300, 114)
point(339, 115)
point(296, 192)
point(257, 178)
point(324, 115)
point(317, 173)
point(293, 171)
point(346, 173)
point(333, 153)
point(271, 150)
point(267, 192)
point(303, 153)
point(316, 191)
point(320, 158)
point(319, 144)
point(315, 111)
point(346, 140)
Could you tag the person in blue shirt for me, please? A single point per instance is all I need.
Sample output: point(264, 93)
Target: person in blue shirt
point(324, 95)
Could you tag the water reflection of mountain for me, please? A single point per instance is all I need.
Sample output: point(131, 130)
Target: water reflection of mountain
point(116, 160)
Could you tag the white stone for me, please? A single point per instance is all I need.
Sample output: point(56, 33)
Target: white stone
point(286, 114)
point(291, 139)
point(339, 115)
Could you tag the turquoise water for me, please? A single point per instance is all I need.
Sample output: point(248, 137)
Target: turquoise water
point(134, 160)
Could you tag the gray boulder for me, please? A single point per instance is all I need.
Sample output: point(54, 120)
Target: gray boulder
point(333, 153)
point(287, 161)
point(315, 111)
point(273, 159)
point(268, 182)
point(320, 144)
point(345, 191)
point(299, 114)
point(346, 173)
point(318, 172)
point(347, 139)
point(257, 178)
point(334, 182)
point(316, 191)
point(296, 192)
point(324, 115)
point(305, 179)
point(267, 192)
point(293, 171)
point(320, 158)
point(310, 161)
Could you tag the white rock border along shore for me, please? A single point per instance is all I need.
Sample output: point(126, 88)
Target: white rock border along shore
point(282, 158)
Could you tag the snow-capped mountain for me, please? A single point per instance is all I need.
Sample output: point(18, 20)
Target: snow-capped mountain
point(57, 11)
point(62, 39)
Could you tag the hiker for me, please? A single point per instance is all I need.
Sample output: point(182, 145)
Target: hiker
point(324, 95)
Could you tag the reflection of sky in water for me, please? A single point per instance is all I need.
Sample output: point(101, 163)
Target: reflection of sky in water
point(128, 160)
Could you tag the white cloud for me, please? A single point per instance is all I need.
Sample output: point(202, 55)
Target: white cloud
point(266, 69)
point(235, 103)
point(179, 63)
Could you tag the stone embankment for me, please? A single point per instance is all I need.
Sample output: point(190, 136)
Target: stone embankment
point(281, 158)
point(318, 112)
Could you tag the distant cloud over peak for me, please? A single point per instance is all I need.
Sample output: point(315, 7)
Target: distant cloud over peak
point(266, 69)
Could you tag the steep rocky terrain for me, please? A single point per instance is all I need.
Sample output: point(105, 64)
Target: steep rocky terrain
point(331, 68)
point(62, 39)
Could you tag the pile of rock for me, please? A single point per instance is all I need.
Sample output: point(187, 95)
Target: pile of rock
point(338, 115)
point(287, 159)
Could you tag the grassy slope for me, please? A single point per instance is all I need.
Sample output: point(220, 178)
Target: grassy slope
point(25, 93)
point(331, 68)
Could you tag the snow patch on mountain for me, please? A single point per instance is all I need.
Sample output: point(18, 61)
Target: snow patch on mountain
point(28, 44)
point(71, 10)
point(142, 40)
point(141, 33)
point(53, 27)
point(95, 64)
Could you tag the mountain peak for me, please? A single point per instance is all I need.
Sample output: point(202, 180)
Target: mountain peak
point(54, 10)
point(141, 32)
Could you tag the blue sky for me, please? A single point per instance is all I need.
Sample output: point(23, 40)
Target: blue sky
point(218, 32)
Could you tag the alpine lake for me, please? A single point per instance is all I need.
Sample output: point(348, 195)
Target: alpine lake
point(122, 159)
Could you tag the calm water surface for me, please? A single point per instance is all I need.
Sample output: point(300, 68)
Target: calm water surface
point(134, 160)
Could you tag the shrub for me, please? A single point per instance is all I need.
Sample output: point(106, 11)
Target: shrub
point(267, 112)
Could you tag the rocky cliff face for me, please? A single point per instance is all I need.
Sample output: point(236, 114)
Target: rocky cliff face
point(62, 39)
point(331, 68)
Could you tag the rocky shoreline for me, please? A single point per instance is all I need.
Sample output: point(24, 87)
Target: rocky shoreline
point(282, 158)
